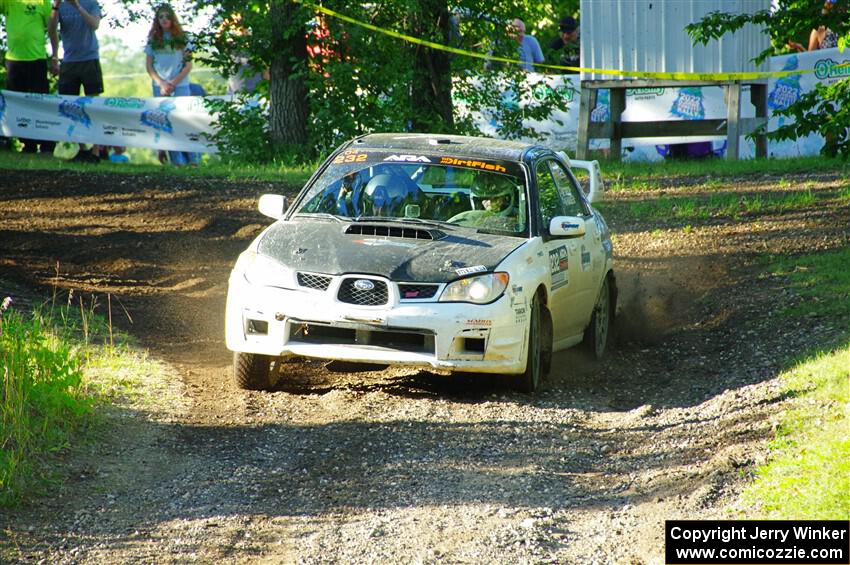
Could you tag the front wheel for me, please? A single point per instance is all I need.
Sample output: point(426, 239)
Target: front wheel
point(252, 371)
point(597, 333)
point(539, 355)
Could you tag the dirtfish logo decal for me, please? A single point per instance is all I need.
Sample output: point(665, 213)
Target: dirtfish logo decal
point(827, 68)
point(76, 112)
point(158, 119)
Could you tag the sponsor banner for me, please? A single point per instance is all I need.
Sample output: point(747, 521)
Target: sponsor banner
point(683, 103)
point(761, 542)
point(174, 124)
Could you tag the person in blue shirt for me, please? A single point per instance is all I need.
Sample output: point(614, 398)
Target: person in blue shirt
point(77, 21)
point(168, 62)
point(529, 49)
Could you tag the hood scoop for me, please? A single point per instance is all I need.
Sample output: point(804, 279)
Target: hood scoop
point(381, 230)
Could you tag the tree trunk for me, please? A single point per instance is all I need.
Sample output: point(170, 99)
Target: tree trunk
point(289, 106)
point(431, 97)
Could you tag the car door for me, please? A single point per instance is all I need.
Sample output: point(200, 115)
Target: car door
point(588, 276)
point(563, 256)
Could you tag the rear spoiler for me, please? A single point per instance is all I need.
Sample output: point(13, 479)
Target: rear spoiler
point(595, 186)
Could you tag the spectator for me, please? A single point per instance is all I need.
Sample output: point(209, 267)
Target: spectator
point(118, 155)
point(568, 34)
point(168, 62)
point(26, 55)
point(246, 77)
point(529, 49)
point(821, 37)
point(77, 21)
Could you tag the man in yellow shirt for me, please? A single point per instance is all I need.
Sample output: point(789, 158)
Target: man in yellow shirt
point(26, 55)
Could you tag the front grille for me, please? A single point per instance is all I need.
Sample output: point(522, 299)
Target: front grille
point(408, 339)
point(350, 294)
point(417, 291)
point(393, 231)
point(316, 282)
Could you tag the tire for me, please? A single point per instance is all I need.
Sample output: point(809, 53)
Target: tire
point(539, 355)
point(252, 371)
point(598, 332)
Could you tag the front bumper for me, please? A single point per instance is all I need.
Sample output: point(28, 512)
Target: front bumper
point(281, 322)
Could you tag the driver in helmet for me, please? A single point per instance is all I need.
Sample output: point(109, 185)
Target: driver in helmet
point(494, 203)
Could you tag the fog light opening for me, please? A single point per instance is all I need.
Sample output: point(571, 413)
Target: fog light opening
point(258, 327)
point(474, 344)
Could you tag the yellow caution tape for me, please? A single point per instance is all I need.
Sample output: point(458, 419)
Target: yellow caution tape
point(637, 74)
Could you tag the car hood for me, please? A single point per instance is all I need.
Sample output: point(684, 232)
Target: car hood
point(398, 251)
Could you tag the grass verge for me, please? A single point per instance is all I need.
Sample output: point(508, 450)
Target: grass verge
point(57, 364)
point(808, 472)
point(212, 166)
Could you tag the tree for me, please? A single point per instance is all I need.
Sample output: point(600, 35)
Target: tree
point(825, 110)
point(331, 80)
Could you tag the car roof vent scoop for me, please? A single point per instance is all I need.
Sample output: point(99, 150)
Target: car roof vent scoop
point(378, 230)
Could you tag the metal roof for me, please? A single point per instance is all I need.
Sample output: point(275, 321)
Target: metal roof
point(649, 35)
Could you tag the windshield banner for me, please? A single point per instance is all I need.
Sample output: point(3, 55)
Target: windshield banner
point(172, 123)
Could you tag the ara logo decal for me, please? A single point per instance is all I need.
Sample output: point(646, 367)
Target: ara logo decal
point(158, 119)
point(408, 158)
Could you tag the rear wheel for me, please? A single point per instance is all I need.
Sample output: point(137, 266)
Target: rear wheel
point(539, 354)
point(252, 371)
point(598, 331)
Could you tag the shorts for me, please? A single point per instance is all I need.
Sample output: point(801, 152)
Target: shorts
point(76, 74)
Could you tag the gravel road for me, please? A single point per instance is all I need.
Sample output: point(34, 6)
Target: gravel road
point(354, 464)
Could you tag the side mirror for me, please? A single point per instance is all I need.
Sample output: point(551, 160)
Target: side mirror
point(566, 226)
point(273, 205)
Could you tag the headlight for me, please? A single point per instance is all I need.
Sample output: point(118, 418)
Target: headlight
point(479, 290)
point(263, 271)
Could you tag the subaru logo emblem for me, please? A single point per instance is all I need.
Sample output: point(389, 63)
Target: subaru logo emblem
point(363, 284)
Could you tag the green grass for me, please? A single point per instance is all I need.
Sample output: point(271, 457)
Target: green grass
point(58, 364)
point(43, 401)
point(822, 280)
point(715, 172)
point(717, 205)
point(808, 475)
point(808, 472)
point(293, 176)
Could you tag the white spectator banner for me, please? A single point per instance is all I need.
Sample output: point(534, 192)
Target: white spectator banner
point(184, 124)
point(169, 123)
point(686, 103)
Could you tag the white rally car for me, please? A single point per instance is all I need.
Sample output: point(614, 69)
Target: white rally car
point(455, 253)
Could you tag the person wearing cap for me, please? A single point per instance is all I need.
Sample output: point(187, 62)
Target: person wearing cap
point(568, 34)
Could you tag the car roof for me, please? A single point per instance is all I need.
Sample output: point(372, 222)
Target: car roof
point(443, 144)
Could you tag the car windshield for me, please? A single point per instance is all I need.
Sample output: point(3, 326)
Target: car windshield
point(487, 195)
